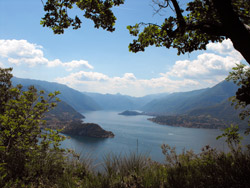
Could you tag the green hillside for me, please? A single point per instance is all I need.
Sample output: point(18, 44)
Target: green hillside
point(172, 103)
point(183, 102)
point(74, 98)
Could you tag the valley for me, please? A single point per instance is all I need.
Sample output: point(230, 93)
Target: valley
point(205, 108)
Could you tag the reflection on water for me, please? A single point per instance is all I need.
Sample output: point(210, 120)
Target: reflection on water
point(136, 133)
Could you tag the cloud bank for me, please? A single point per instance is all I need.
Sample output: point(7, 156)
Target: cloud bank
point(21, 52)
point(206, 70)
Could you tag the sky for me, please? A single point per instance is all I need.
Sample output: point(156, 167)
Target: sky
point(94, 60)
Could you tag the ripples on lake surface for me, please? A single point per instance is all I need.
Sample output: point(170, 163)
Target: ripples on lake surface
point(136, 133)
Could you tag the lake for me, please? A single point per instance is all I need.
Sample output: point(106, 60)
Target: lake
point(136, 133)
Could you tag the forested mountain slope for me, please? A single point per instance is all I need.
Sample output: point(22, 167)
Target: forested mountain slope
point(79, 101)
point(184, 102)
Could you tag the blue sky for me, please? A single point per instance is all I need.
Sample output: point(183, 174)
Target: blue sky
point(95, 60)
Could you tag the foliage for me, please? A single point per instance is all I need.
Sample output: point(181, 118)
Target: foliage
point(233, 137)
point(202, 121)
point(31, 156)
point(99, 11)
point(201, 22)
point(241, 76)
point(209, 168)
point(28, 152)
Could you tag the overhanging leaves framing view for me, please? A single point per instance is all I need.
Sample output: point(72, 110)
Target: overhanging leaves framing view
point(114, 101)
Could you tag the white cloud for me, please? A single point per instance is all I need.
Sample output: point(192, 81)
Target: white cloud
point(127, 84)
point(205, 71)
point(225, 48)
point(69, 65)
point(207, 67)
point(82, 76)
point(19, 48)
point(21, 52)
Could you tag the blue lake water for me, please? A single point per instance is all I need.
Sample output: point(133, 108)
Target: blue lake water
point(136, 133)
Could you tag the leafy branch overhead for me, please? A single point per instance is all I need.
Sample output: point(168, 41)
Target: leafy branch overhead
point(58, 17)
point(201, 22)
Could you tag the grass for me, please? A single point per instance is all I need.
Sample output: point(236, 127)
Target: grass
point(210, 168)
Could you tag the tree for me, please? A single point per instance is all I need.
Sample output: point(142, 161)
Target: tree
point(26, 148)
point(99, 11)
point(241, 76)
point(201, 22)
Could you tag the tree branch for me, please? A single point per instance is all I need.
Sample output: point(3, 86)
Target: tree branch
point(42, 2)
point(145, 24)
point(236, 30)
point(180, 18)
point(208, 28)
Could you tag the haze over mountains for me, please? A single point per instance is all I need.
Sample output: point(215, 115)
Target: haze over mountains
point(210, 101)
point(184, 102)
point(122, 102)
point(74, 98)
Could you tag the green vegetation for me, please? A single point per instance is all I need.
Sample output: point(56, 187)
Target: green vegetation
point(241, 76)
point(186, 102)
point(58, 19)
point(32, 157)
point(188, 30)
point(131, 113)
point(74, 98)
point(201, 121)
point(195, 26)
point(78, 128)
point(27, 153)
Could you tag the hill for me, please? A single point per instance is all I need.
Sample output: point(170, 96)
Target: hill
point(188, 108)
point(131, 113)
point(64, 116)
point(184, 102)
point(188, 121)
point(79, 101)
point(120, 102)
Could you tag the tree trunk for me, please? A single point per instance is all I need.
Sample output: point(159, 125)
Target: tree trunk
point(236, 30)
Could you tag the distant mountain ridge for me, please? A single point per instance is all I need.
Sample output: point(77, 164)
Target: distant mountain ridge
point(210, 101)
point(184, 102)
point(79, 101)
point(64, 116)
point(120, 102)
point(171, 104)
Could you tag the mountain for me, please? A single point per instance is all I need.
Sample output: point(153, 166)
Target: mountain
point(223, 110)
point(184, 102)
point(207, 108)
point(79, 101)
point(112, 102)
point(120, 102)
point(170, 104)
point(65, 117)
point(62, 115)
point(202, 121)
